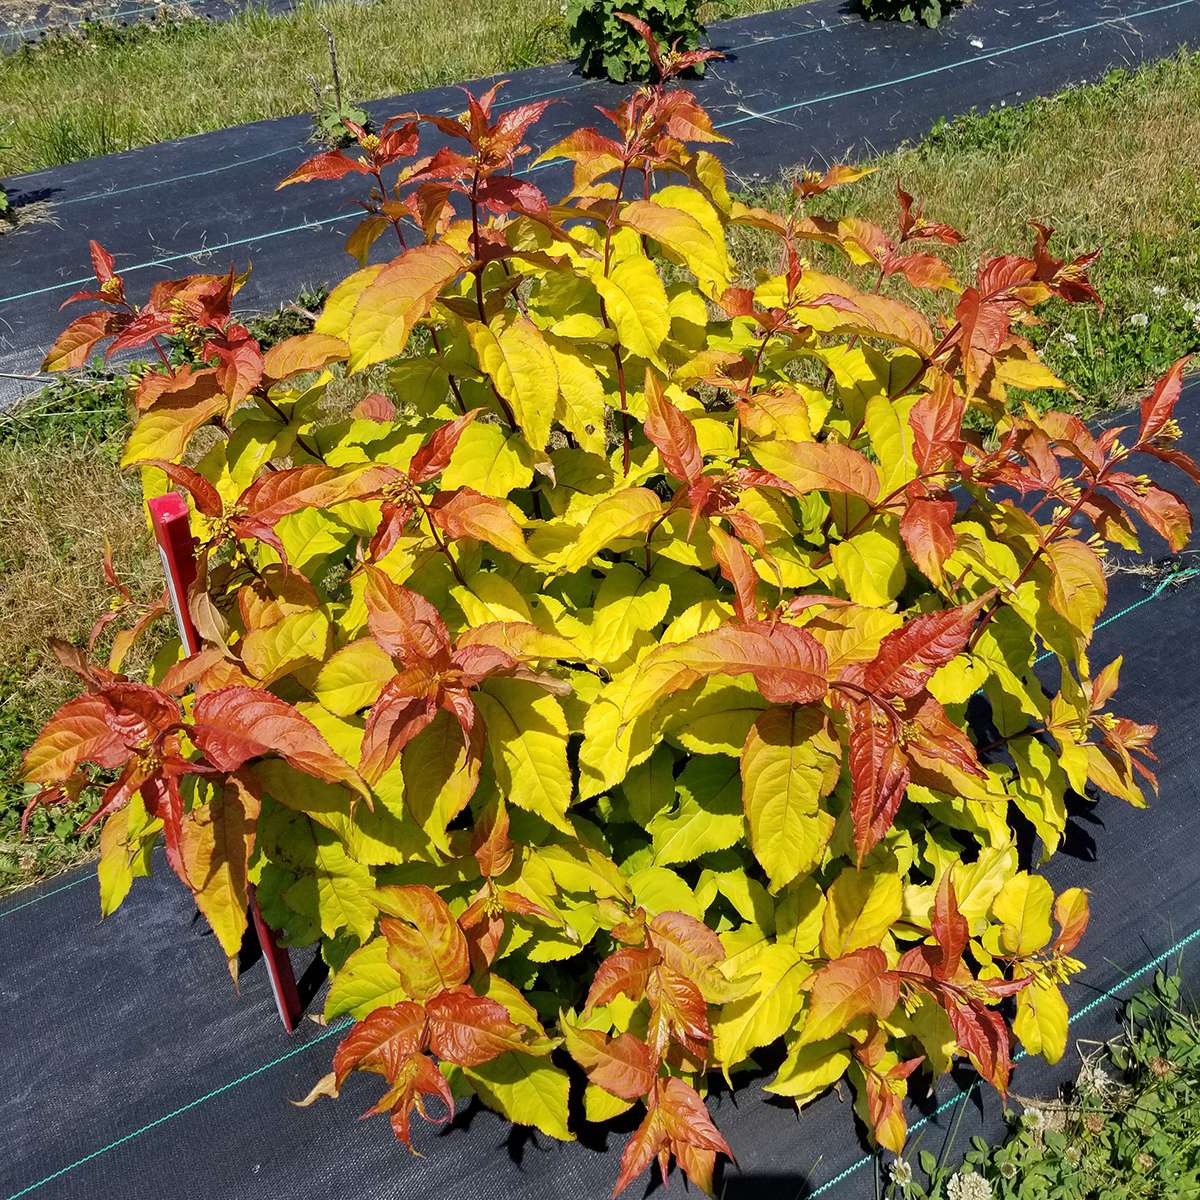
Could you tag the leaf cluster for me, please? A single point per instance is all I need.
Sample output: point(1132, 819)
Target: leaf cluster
point(927, 12)
point(607, 45)
point(599, 691)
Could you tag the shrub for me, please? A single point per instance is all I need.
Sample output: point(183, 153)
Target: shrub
point(928, 12)
point(609, 43)
point(601, 693)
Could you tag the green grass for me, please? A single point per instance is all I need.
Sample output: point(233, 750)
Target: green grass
point(1117, 164)
point(1128, 1129)
point(112, 88)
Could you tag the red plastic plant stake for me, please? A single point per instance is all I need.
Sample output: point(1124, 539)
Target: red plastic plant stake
point(172, 532)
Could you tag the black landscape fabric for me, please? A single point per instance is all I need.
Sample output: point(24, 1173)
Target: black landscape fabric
point(808, 84)
point(133, 1069)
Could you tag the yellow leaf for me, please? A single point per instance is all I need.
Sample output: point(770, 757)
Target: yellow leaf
point(527, 741)
point(767, 1011)
point(520, 363)
point(871, 566)
point(353, 677)
point(862, 906)
point(214, 845)
point(809, 1069)
point(334, 319)
point(626, 514)
point(394, 301)
point(363, 983)
point(1041, 1020)
point(789, 763)
point(637, 306)
point(488, 460)
point(165, 430)
point(1023, 907)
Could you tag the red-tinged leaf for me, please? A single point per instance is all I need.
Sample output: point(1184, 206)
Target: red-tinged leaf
point(950, 928)
point(404, 623)
point(504, 194)
point(822, 467)
point(156, 385)
point(145, 327)
point(418, 1079)
point(205, 497)
point(330, 164)
point(914, 227)
point(622, 1065)
point(466, 513)
point(375, 406)
point(982, 1035)
point(644, 1145)
point(425, 944)
point(470, 1030)
point(305, 352)
point(788, 664)
point(239, 358)
point(672, 434)
point(855, 985)
point(936, 421)
point(624, 973)
point(396, 717)
point(813, 183)
point(687, 1117)
point(678, 1012)
point(685, 120)
point(381, 1042)
point(686, 945)
point(1071, 911)
point(79, 732)
point(879, 774)
point(490, 843)
point(736, 566)
point(921, 270)
point(1162, 510)
point(434, 453)
point(72, 347)
point(237, 724)
point(932, 741)
point(643, 30)
point(102, 262)
point(927, 528)
point(1159, 406)
point(1176, 458)
point(278, 494)
point(908, 656)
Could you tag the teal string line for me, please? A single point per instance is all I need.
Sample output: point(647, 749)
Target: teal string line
point(999, 52)
point(183, 1108)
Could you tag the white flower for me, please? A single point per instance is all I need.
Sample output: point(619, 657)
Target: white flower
point(901, 1173)
point(1035, 1120)
point(1094, 1078)
point(1139, 320)
point(977, 43)
point(966, 1185)
point(1192, 307)
point(1158, 291)
point(1070, 338)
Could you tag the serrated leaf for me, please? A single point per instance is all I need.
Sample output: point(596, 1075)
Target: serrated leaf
point(790, 761)
point(527, 742)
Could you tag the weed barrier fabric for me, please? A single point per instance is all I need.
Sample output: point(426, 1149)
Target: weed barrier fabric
point(807, 84)
point(133, 1068)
